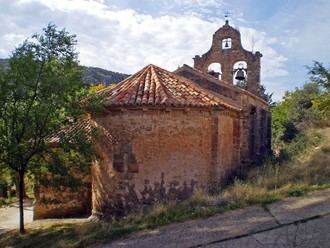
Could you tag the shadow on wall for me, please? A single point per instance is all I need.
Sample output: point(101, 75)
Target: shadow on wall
point(128, 198)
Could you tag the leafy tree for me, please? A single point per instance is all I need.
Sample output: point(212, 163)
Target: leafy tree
point(40, 94)
point(94, 88)
point(321, 75)
point(295, 111)
point(306, 106)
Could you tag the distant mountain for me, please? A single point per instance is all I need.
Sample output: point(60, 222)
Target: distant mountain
point(92, 75)
point(95, 75)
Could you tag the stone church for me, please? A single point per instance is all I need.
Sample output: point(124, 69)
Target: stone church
point(171, 133)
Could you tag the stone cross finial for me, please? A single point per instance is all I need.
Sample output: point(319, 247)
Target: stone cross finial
point(227, 15)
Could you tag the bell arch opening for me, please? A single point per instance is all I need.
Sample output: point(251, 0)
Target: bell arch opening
point(214, 69)
point(226, 43)
point(240, 74)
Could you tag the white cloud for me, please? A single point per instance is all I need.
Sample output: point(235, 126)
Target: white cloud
point(273, 63)
point(125, 40)
point(199, 2)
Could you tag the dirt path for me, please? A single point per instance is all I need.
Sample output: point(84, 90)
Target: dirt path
point(9, 215)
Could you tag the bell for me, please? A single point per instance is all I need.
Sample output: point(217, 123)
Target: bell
point(226, 44)
point(240, 75)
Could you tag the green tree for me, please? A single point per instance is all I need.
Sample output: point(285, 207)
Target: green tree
point(40, 94)
point(303, 107)
point(294, 112)
point(321, 75)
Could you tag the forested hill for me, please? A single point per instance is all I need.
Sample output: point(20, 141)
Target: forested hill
point(92, 75)
point(95, 75)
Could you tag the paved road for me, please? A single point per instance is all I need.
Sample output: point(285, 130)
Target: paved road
point(9, 216)
point(314, 233)
point(302, 222)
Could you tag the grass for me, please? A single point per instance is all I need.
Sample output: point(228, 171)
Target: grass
point(307, 168)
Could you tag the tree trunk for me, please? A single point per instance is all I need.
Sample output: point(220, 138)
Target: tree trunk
point(17, 186)
point(21, 202)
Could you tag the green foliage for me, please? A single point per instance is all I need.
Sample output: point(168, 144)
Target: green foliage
point(37, 94)
point(96, 87)
point(303, 108)
point(40, 95)
point(322, 103)
point(296, 192)
point(320, 75)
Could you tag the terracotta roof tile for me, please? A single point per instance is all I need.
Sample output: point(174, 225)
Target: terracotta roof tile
point(85, 125)
point(155, 86)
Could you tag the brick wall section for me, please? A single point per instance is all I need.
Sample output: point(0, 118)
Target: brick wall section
point(168, 154)
point(236, 141)
point(228, 57)
point(215, 148)
point(254, 127)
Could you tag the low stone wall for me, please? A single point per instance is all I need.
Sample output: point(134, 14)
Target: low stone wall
point(62, 201)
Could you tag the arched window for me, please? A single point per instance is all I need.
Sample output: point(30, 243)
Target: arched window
point(240, 74)
point(226, 43)
point(214, 69)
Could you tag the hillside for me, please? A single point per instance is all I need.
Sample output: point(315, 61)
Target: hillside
point(92, 75)
point(95, 75)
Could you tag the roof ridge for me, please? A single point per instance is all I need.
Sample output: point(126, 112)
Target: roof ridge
point(140, 88)
point(167, 92)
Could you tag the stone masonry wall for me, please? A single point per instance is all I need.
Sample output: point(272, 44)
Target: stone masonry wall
point(161, 155)
point(254, 123)
point(56, 201)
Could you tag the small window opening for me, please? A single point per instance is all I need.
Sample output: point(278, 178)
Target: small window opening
point(226, 43)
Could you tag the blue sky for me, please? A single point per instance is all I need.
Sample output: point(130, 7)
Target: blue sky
point(125, 35)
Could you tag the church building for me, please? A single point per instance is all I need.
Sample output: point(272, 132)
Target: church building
point(169, 134)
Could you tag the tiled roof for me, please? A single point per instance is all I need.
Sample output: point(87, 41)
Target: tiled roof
point(85, 126)
point(155, 86)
